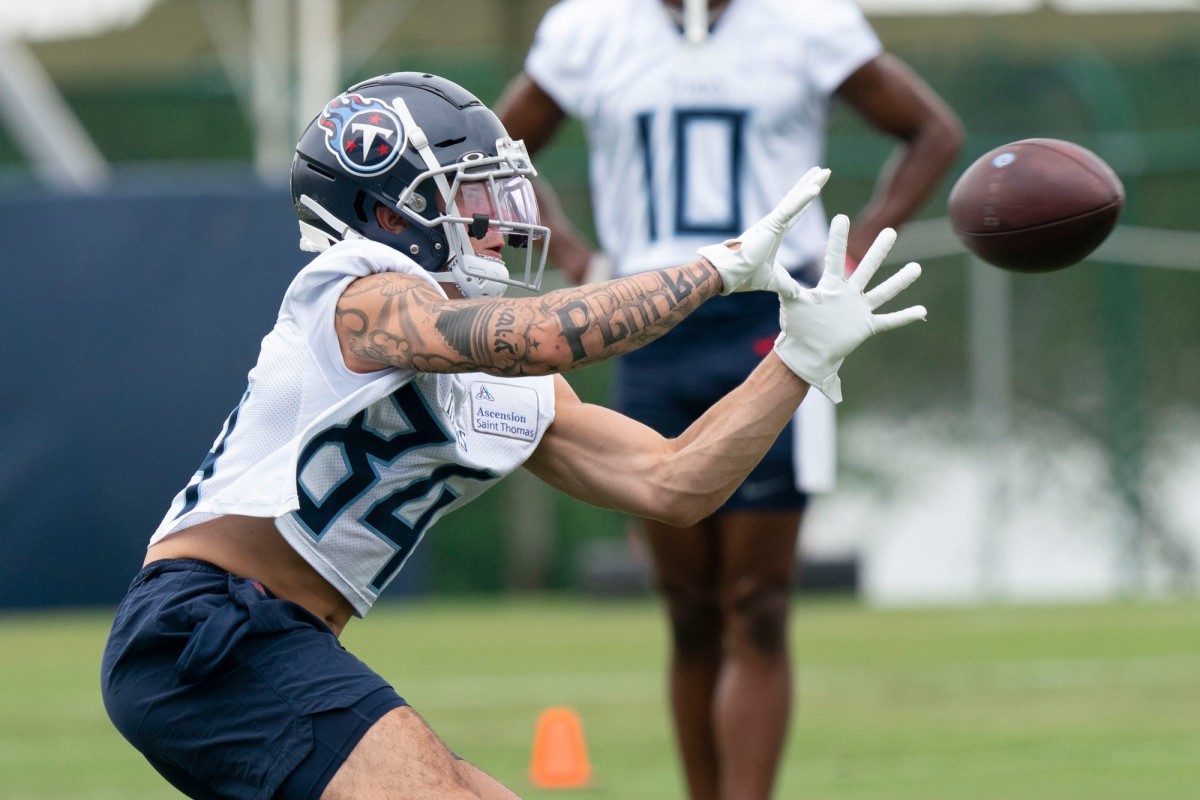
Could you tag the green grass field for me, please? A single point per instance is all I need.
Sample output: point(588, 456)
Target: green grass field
point(1096, 702)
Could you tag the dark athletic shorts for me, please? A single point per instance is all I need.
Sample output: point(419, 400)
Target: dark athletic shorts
point(670, 382)
point(230, 692)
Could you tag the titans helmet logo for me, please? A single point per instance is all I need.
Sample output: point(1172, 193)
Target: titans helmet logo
point(363, 133)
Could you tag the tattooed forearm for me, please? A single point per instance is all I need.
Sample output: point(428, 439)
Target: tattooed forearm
point(573, 327)
point(394, 320)
point(623, 315)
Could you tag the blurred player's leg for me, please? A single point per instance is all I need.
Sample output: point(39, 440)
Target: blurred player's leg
point(686, 565)
point(754, 692)
point(727, 585)
point(400, 756)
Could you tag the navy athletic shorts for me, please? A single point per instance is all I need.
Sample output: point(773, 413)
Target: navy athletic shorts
point(230, 692)
point(670, 382)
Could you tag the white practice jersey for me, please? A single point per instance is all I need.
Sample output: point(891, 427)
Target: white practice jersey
point(356, 467)
point(691, 144)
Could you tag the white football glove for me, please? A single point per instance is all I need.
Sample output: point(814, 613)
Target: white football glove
point(823, 325)
point(753, 266)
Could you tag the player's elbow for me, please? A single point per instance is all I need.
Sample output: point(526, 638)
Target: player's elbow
point(676, 516)
point(685, 515)
point(690, 514)
point(937, 139)
point(946, 135)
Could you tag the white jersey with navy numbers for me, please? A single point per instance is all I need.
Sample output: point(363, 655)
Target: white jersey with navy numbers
point(356, 467)
point(691, 144)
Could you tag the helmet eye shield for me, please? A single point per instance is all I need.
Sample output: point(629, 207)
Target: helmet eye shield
point(508, 204)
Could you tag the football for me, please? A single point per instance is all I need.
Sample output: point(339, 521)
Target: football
point(1035, 205)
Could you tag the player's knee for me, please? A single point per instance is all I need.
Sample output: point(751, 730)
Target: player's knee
point(695, 622)
point(758, 615)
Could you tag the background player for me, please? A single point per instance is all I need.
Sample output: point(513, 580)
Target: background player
point(397, 385)
point(690, 137)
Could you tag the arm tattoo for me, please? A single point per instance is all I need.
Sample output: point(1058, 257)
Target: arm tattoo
point(555, 332)
point(488, 330)
point(392, 334)
point(626, 316)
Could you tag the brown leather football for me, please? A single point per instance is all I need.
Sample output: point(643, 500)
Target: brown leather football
point(1036, 205)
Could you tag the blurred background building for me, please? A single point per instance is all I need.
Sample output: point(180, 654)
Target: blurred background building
point(1038, 438)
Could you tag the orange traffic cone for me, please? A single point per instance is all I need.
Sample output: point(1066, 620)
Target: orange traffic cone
point(560, 759)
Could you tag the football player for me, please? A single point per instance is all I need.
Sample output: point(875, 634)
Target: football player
point(698, 116)
point(396, 385)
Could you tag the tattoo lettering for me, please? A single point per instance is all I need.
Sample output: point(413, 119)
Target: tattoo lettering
point(576, 320)
point(506, 325)
point(682, 286)
point(628, 314)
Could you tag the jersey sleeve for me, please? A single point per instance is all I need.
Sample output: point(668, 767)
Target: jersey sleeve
point(311, 300)
point(563, 50)
point(840, 41)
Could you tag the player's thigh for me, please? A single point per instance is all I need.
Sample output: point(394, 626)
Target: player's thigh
point(686, 560)
point(401, 756)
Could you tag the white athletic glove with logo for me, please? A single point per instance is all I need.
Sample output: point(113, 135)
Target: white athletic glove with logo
point(823, 325)
point(753, 266)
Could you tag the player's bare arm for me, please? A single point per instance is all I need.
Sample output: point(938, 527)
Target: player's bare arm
point(529, 113)
point(533, 116)
point(389, 319)
point(604, 458)
point(896, 101)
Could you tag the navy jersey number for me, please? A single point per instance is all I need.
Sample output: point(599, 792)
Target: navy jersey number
point(361, 448)
point(728, 125)
point(191, 495)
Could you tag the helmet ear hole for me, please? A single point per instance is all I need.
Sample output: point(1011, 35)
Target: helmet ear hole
point(325, 173)
point(360, 207)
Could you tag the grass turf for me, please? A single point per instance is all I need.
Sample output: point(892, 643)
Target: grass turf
point(1090, 702)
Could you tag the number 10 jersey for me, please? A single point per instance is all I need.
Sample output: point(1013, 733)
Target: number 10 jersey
point(691, 144)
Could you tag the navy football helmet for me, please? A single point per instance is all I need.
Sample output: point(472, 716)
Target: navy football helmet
point(426, 147)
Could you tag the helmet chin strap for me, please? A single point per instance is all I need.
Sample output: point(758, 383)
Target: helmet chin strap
point(475, 276)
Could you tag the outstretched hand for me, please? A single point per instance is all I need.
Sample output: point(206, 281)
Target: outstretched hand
point(748, 263)
point(823, 325)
